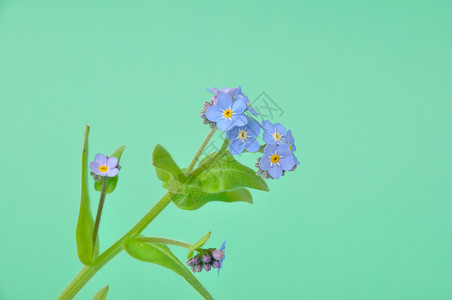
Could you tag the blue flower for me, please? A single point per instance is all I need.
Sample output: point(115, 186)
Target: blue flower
point(273, 133)
point(244, 137)
point(104, 166)
point(221, 259)
point(226, 113)
point(290, 140)
point(235, 93)
point(276, 159)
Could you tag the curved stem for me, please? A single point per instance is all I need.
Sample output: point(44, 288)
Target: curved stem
point(200, 150)
point(164, 241)
point(87, 272)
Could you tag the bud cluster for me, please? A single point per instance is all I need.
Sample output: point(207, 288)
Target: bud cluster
point(206, 259)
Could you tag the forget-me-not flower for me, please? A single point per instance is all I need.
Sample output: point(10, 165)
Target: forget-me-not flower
point(227, 113)
point(273, 133)
point(290, 140)
point(276, 159)
point(104, 166)
point(244, 137)
point(235, 93)
point(218, 255)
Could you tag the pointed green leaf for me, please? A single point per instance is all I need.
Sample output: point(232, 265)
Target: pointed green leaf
point(198, 244)
point(161, 255)
point(84, 232)
point(228, 174)
point(113, 181)
point(165, 166)
point(102, 294)
point(193, 197)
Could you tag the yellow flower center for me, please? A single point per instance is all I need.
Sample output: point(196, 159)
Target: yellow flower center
point(103, 168)
point(242, 135)
point(290, 147)
point(277, 136)
point(275, 158)
point(227, 113)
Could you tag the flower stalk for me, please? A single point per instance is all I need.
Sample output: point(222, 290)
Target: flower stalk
point(103, 193)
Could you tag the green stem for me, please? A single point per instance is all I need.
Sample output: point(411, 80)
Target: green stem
point(164, 241)
point(209, 162)
point(99, 209)
point(87, 272)
point(200, 150)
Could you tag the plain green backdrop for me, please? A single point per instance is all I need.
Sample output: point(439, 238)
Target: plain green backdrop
point(365, 87)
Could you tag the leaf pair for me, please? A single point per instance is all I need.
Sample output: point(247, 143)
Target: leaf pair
point(161, 255)
point(86, 250)
point(226, 180)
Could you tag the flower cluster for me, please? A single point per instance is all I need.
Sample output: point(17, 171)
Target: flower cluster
point(228, 111)
point(207, 259)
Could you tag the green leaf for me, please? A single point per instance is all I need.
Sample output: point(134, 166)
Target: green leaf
point(193, 197)
point(113, 181)
point(228, 174)
point(198, 244)
point(165, 166)
point(102, 294)
point(161, 255)
point(84, 233)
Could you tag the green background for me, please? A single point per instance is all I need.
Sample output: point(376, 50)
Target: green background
point(365, 87)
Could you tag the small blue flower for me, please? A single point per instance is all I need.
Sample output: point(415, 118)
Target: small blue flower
point(244, 137)
point(276, 159)
point(104, 166)
point(235, 93)
point(226, 113)
point(273, 133)
point(290, 140)
point(222, 256)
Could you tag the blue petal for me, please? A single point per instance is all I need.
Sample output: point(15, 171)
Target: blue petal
point(112, 172)
point(94, 166)
point(223, 245)
point(232, 133)
point(283, 150)
point(112, 162)
point(214, 113)
point(224, 101)
point(224, 124)
point(275, 171)
point(236, 147)
point(280, 129)
point(270, 150)
point(268, 126)
point(287, 162)
point(268, 138)
point(289, 137)
point(239, 105)
point(239, 120)
point(253, 128)
point(213, 90)
point(264, 163)
point(295, 159)
point(100, 159)
point(251, 145)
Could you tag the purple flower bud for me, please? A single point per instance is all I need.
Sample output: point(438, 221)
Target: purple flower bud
point(206, 258)
point(217, 254)
point(190, 262)
point(195, 260)
point(193, 268)
point(207, 267)
point(198, 267)
point(216, 264)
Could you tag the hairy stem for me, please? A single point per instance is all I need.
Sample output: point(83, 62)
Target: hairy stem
point(88, 271)
point(200, 150)
point(164, 241)
point(99, 209)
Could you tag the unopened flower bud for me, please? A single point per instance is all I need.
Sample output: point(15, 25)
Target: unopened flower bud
point(217, 254)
